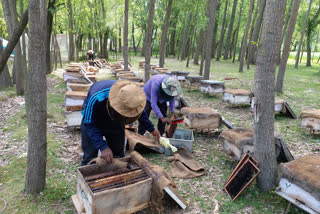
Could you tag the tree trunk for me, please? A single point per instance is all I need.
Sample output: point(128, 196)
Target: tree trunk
point(212, 13)
point(51, 9)
point(23, 43)
point(251, 59)
point(148, 41)
point(11, 17)
point(133, 40)
point(312, 24)
point(183, 51)
point(199, 45)
point(222, 31)
point(203, 54)
point(190, 46)
point(105, 42)
point(70, 30)
point(125, 36)
point(237, 33)
point(120, 45)
point(302, 35)
point(5, 80)
point(164, 34)
point(284, 31)
point(233, 14)
point(286, 46)
point(215, 29)
point(264, 144)
point(36, 101)
point(244, 45)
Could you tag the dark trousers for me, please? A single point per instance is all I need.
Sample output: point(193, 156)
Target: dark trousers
point(161, 125)
point(115, 142)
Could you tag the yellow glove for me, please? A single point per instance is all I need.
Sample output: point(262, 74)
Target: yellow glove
point(166, 143)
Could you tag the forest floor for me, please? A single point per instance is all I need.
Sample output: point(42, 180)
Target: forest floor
point(203, 194)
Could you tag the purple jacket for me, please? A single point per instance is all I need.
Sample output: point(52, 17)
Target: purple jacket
point(151, 89)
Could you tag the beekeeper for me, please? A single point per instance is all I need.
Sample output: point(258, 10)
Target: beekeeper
point(108, 106)
point(91, 55)
point(160, 89)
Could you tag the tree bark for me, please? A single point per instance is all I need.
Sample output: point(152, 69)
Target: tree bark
point(244, 45)
point(36, 101)
point(51, 9)
point(264, 144)
point(237, 34)
point(148, 41)
point(286, 46)
point(5, 80)
point(302, 35)
point(212, 13)
point(312, 24)
point(183, 51)
point(11, 17)
point(233, 14)
point(125, 36)
point(215, 30)
point(222, 31)
point(71, 51)
point(255, 35)
point(105, 42)
point(120, 45)
point(284, 31)
point(203, 54)
point(133, 40)
point(199, 45)
point(164, 34)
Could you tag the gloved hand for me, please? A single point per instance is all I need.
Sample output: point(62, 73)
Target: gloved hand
point(107, 155)
point(166, 143)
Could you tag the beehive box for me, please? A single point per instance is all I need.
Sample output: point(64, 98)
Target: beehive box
point(211, 86)
point(239, 141)
point(179, 75)
point(78, 86)
point(237, 96)
point(201, 118)
point(74, 98)
point(193, 81)
point(111, 190)
point(300, 183)
point(73, 118)
point(310, 119)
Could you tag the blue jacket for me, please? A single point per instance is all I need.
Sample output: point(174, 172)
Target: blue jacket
point(96, 118)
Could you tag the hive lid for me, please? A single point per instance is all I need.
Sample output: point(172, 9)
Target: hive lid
point(213, 82)
point(238, 92)
point(315, 113)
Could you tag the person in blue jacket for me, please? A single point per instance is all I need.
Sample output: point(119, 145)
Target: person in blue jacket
point(108, 106)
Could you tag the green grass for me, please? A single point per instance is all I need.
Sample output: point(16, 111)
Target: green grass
point(301, 91)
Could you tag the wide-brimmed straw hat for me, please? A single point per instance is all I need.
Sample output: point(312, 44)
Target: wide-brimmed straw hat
point(127, 98)
point(171, 86)
point(90, 51)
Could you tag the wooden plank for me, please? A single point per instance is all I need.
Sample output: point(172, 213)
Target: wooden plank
point(175, 196)
point(78, 204)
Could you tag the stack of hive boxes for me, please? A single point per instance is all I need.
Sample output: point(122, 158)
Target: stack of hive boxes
point(121, 74)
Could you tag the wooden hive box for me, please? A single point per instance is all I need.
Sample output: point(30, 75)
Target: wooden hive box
point(71, 76)
point(78, 87)
point(201, 118)
point(193, 81)
point(74, 100)
point(141, 63)
point(92, 77)
point(237, 96)
point(92, 69)
point(131, 78)
point(73, 69)
point(73, 118)
point(112, 190)
point(124, 73)
point(310, 119)
point(179, 75)
point(211, 86)
point(300, 183)
point(239, 141)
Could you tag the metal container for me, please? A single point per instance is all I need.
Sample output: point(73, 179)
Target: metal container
point(181, 138)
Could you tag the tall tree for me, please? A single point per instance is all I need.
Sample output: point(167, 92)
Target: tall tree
point(237, 34)
point(199, 45)
point(311, 26)
point(270, 42)
point(51, 11)
point(148, 41)
point(13, 41)
point(251, 59)
point(244, 44)
point(71, 50)
point(36, 98)
point(286, 46)
point(222, 31)
point(125, 35)
point(233, 14)
point(164, 34)
point(302, 35)
point(185, 38)
point(215, 29)
point(211, 14)
point(11, 17)
point(5, 80)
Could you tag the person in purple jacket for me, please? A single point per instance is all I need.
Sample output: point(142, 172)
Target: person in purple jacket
point(159, 90)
